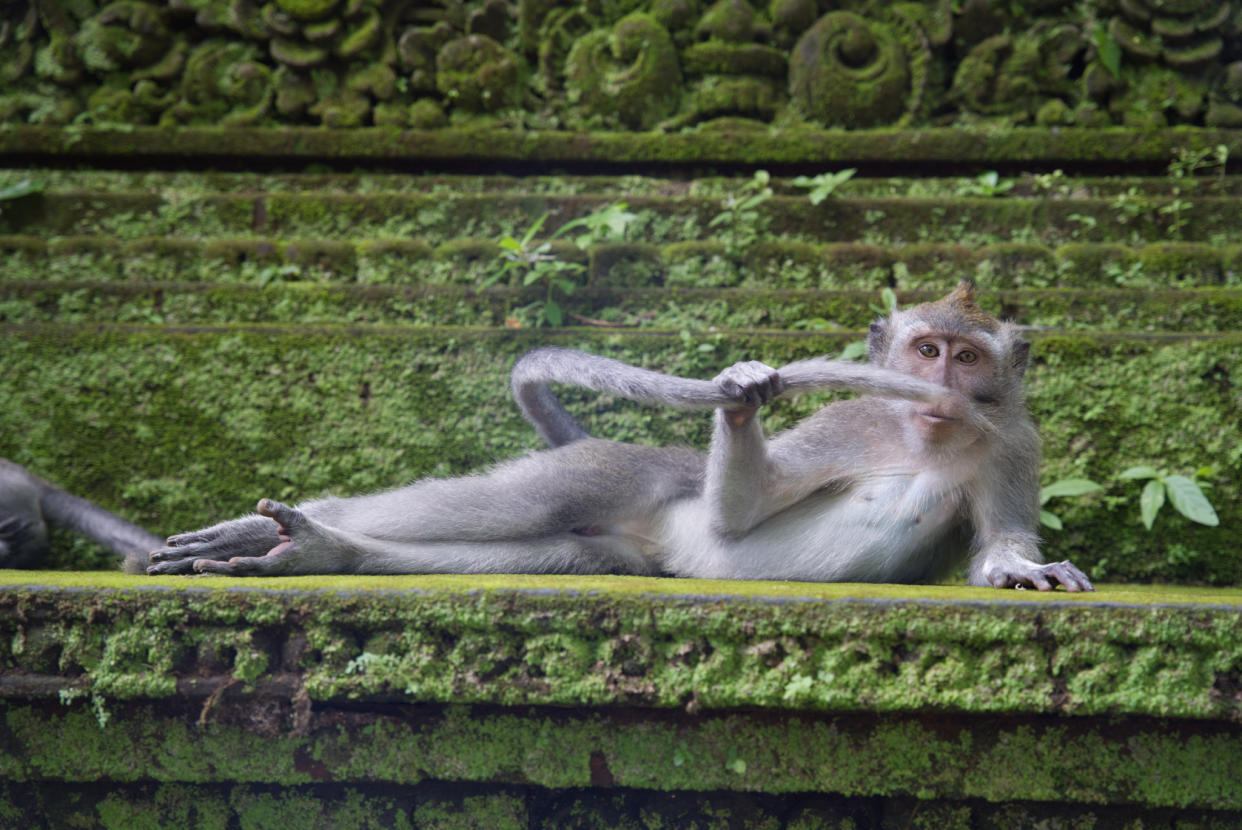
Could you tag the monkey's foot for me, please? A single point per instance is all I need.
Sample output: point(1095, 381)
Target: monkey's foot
point(1043, 577)
point(248, 536)
point(304, 546)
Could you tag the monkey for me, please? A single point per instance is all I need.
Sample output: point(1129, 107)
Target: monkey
point(28, 504)
point(937, 461)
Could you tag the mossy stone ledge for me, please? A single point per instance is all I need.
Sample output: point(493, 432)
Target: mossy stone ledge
point(972, 702)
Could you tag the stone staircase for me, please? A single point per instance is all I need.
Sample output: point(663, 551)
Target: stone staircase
point(181, 343)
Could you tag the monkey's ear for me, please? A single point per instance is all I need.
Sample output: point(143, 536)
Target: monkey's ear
point(877, 341)
point(1020, 354)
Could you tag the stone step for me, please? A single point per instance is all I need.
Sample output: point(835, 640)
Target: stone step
point(724, 142)
point(437, 218)
point(765, 263)
point(601, 305)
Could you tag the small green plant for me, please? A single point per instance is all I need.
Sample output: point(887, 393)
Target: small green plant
point(740, 220)
point(23, 187)
point(985, 184)
point(1183, 492)
point(1059, 489)
point(858, 349)
point(1187, 163)
point(534, 261)
point(269, 274)
point(1176, 210)
point(888, 302)
point(1085, 222)
point(1048, 182)
point(823, 185)
point(1130, 205)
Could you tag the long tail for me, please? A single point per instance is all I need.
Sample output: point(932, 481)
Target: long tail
point(126, 540)
point(536, 370)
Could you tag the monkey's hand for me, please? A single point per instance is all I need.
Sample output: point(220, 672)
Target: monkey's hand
point(247, 536)
point(751, 384)
point(1043, 577)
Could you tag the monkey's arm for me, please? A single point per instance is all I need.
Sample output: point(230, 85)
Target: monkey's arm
point(536, 370)
point(1005, 514)
point(749, 478)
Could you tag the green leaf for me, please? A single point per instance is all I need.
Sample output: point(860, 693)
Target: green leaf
point(1068, 487)
point(533, 229)
point(18, 189)
point(854, 350)
point(554, 313)
point(510, 244)
point(567, 286)
point(1189, 500)
point(532, 276)
point(1151, 501)
point(1049, 520)
point(889, 298)
point(1138, 473)
point(1109, 51)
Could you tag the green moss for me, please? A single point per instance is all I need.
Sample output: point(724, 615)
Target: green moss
point(806, 146)
point(627, 75)
point(848, 71)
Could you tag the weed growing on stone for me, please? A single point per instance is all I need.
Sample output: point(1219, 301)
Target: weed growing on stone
point(533, 261)
point(1185, 493)
point(740, 220)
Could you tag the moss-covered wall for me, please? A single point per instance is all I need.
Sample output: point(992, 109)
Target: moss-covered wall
point(416, 699)
point(630, 66)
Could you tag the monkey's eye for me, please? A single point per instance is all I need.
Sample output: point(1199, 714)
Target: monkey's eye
point(928, 350)
point(967, 357)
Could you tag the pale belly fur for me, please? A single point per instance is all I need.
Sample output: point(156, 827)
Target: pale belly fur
point(873, 531)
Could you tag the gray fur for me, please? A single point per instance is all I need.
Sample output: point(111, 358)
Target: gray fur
point(938, 461)
point(855, 492)
point(28, 504)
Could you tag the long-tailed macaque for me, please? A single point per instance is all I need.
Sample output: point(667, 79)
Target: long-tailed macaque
point(937, 461)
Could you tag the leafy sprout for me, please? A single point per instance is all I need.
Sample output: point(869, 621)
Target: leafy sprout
point(1062, 488)
point(536, 263)
point(823, 185)
point(1183, 492)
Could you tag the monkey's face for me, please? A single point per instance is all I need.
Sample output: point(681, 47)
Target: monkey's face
point(963, 364)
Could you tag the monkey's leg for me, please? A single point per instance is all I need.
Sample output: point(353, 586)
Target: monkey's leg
point(310, 547)
point(587, 484)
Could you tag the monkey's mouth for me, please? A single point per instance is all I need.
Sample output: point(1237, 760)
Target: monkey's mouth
point(937, 417)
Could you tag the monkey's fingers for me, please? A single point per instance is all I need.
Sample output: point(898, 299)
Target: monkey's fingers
point(273, 562)
point(750, 384)
point(1069, 576)
point(169, 567)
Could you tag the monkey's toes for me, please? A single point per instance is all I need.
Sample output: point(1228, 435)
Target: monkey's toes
point(287, 517)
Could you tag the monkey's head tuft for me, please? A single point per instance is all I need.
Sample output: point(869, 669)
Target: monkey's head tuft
point(957, 311)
